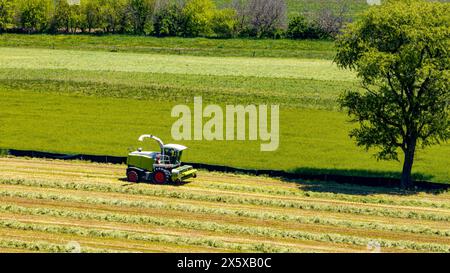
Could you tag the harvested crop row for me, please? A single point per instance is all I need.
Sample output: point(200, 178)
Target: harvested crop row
point(332, 238)
point(110, 245)
point(198, 225)
point(334, 196)
point(120, 234)
point(152, 203)
point(267, 216)
point(44, 246)
point(233, 199)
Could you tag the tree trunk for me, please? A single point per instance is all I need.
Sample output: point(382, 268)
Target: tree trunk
point(406, 180)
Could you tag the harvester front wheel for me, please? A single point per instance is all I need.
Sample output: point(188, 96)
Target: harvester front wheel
point(132, 176)
point(160, 177)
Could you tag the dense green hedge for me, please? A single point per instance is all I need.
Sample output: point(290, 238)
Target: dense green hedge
point(185, 18)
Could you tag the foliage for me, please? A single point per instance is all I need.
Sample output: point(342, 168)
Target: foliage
point(61, 17)
point(224, 23)
point(115, 17)
point(141, 12)
point(184, 18)
point(330, 22)
point(300, 28)
point(400, 51)
point(34, 15)
point(198, 15)
point(6, 12)
point(168, 19)
point(91, 15)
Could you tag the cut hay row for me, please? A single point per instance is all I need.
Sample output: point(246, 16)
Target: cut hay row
point(258, 247)
point(228, 199)
point(192, 209)
point(45, 247)
point(129, 235)
point(86, 243)
point(367, 233)
point(212, 226)
point(334, 196)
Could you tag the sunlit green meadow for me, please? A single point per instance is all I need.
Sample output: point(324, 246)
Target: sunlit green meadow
point(99, 102)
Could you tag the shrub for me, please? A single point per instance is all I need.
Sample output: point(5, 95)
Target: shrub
point(224, 23)
point(168, 19)
point(5, 14)
point(198, 16)
point(330, 22)
point(34, 15)
point(300, 28)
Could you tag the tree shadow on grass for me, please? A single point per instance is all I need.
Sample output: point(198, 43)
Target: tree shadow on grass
point(362, 182)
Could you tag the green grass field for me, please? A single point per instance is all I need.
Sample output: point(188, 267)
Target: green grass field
point(177, 46)
point(54, 206)
point(99, 102)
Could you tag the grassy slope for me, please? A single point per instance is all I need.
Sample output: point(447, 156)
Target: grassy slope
point(55, 202)
point(179, 46)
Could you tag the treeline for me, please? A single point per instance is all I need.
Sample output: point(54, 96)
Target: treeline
point(184, 18)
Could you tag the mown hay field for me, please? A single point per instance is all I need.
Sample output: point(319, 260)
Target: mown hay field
point(54, 206)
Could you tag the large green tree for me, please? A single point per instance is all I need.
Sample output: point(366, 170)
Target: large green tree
point(400, 51)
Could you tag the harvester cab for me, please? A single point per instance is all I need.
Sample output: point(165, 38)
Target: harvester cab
point(160, 167)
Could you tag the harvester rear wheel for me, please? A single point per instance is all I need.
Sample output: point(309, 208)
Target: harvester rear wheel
point(132, 176)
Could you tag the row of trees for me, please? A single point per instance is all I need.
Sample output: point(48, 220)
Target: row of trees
point(186, 18)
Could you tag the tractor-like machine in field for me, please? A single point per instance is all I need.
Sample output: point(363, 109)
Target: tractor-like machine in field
point(160, 167)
